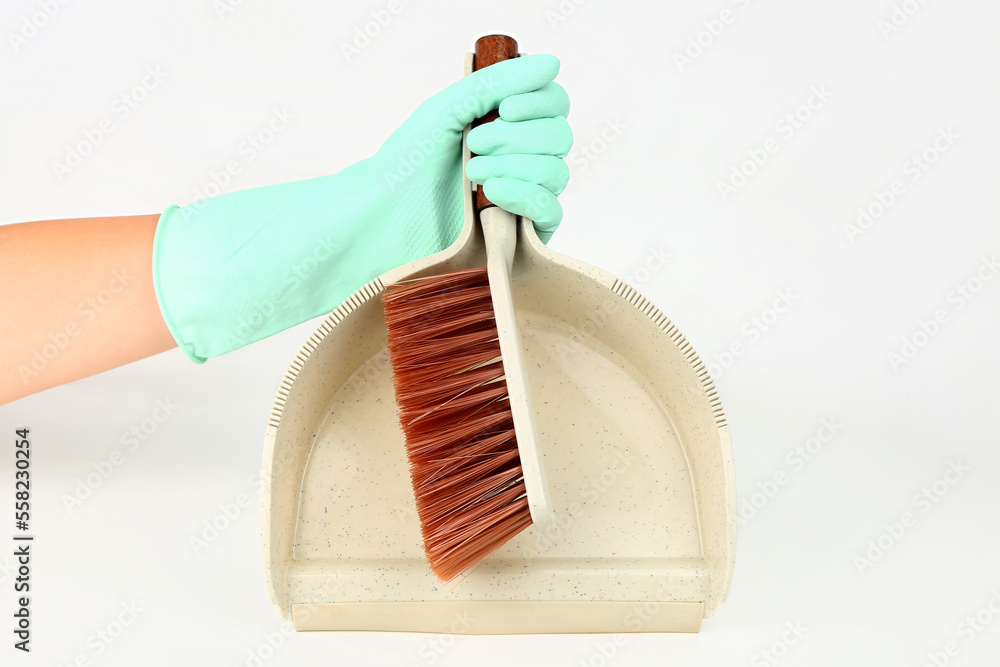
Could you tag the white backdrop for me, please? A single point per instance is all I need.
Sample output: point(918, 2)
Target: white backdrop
point(858, 140)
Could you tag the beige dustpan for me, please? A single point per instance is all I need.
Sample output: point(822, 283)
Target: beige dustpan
point(633, 439)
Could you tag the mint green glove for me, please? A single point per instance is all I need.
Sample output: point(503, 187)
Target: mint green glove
point(236, 268)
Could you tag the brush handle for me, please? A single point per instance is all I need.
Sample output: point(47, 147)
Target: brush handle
point(500, 237)
point(489, 50)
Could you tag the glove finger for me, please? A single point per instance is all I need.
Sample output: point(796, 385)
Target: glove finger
point(527, 199)
point(548, 101)
point(548, 171)
point(482, 91)
point(540, 136)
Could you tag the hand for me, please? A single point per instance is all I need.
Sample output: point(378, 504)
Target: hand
point(518, 157)
point(242, 266)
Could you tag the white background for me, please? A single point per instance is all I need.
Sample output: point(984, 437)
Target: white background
point(652, 186)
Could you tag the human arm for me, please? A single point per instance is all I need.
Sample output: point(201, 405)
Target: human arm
point(76, 298)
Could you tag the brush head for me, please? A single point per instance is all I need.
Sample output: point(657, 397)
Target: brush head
point(456, 416)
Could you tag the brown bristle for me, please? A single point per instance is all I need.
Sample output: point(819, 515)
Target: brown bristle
point(454, 411)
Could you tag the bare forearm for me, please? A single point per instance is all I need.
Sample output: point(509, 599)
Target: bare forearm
point(76, 298)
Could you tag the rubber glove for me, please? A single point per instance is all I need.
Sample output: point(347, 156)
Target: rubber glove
point(233, 269)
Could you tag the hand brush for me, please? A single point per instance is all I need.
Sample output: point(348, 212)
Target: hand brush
point(462, 393)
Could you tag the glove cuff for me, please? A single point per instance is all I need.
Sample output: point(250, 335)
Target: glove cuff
point(187, 347)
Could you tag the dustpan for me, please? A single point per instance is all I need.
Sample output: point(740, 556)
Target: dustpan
point(635, 445)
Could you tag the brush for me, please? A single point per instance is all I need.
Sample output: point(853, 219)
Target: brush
point(462, 393)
